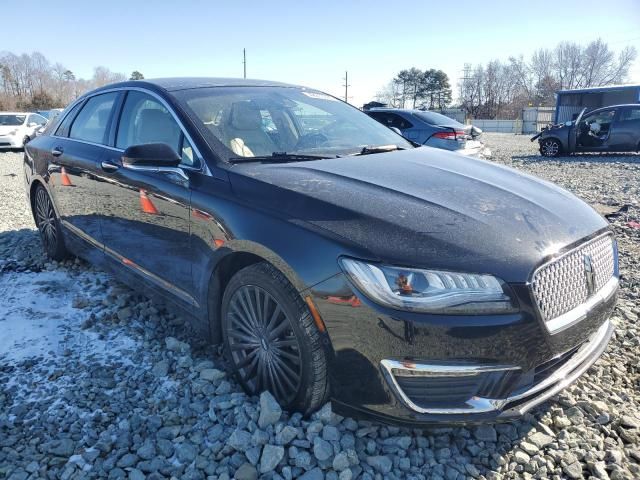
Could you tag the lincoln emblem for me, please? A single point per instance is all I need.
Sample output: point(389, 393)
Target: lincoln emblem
point(589, 274)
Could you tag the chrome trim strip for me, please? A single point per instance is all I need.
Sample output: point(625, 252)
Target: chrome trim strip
point(578, 364)
point(147, 168)
point(132, 265)
point(578, 314)
point(409, 369)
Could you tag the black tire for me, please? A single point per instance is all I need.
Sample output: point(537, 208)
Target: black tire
point(550, 147)
point(48, 225)
point(269, 349)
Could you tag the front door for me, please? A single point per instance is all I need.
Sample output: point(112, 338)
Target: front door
point(594, 131)
point(145, 215)
point(75, 152)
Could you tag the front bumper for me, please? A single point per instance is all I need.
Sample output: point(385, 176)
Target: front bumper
point(478, 368)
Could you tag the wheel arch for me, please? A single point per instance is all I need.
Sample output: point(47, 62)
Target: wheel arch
point(238, 255)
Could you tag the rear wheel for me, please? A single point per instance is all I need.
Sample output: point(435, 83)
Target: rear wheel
point(48, 225)
point(550, 147)
point(271, 340)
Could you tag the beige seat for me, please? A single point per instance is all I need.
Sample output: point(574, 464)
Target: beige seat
point(247, 138)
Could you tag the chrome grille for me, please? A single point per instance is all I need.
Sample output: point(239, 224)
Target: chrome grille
point(561, 285)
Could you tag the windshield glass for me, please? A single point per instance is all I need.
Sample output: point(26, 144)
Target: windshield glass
point(12, 120)
point(261, 121)
point(435, 118)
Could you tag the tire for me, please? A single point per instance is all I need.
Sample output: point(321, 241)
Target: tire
point(271, 340)
point(48, 225)
point(550, 147)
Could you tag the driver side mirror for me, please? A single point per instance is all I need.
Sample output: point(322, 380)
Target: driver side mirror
point(153, 157)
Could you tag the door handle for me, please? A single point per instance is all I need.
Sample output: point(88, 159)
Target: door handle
point(57, 151)
point(109, 167)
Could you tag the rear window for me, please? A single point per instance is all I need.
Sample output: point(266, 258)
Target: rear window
point(434, 118)
point(91, 123)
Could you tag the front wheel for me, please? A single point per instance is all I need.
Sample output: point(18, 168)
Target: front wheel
point(550, 147)
point(271, 340)
point(48, 225)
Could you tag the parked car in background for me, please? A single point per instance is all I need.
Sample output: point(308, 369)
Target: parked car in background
point(608, 129)
point(17, 128)
point(432, 129)
point(330, 256)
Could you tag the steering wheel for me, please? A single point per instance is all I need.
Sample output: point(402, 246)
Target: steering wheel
point(311, 140)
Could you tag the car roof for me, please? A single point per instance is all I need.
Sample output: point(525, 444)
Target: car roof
point(185, 83)
point(622, 105)
point(388, 109)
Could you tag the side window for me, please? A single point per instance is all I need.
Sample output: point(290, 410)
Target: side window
point(91, 123)
point(630, 114)
point(399, 122)
point(40, 120)
point(63, 128)
point(146, 120)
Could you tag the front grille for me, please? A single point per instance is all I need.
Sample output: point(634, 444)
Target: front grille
point(561, 285)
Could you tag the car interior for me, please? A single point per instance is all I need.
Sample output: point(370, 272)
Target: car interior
point(594, 129)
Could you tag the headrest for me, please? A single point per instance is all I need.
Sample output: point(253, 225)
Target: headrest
point(156, 126)
point(245, 116)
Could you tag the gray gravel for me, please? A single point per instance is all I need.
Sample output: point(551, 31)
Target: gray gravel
point(123, 388)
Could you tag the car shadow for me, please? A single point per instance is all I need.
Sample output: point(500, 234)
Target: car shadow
point(581, 158)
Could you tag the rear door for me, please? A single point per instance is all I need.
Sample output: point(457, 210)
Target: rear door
point(145, 215)
point(625, 131)
point(77, 148)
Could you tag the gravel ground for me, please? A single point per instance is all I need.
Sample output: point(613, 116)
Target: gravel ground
point(95, 381)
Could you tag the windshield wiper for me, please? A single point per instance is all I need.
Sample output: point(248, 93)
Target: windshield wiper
point(367, 150)
point(277, 157)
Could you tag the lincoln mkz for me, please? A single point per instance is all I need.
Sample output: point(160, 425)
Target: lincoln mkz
point(332, 258)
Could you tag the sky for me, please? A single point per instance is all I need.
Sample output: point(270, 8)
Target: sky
point(308, 43)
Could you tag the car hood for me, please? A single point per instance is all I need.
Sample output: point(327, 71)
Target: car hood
point(5, 129)
point(426, 207)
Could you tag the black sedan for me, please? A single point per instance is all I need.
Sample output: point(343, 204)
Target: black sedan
point(329, 256)
point(609, 129)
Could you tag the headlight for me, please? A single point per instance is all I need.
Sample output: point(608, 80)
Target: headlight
point(430, 291)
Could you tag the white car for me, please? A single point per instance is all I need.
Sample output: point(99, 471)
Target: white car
point(17, 128)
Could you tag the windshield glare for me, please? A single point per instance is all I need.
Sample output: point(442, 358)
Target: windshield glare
point(261, 121)
point(12, 120)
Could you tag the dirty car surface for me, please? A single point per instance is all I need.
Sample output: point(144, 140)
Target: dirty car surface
point(330, 257)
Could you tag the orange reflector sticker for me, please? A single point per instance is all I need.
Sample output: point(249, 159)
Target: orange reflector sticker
point(218, 242)
point(315, 314)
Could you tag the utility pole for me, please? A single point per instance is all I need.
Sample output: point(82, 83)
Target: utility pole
point(346, 86)
point(244, 61)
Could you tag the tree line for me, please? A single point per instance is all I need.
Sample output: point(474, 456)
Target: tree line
point(31, 82)
point(414, 88)
point(501, 89)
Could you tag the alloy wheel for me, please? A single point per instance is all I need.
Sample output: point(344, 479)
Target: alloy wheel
point(550, 148)
point(263, 345)
point(46, 220)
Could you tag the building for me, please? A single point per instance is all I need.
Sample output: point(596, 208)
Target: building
point(569, 103)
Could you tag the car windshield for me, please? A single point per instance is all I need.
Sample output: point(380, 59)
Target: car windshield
point(12, 120)
point(435, 118)
point(274, 121)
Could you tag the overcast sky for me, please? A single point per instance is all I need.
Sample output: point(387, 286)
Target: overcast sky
point(308, 43)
